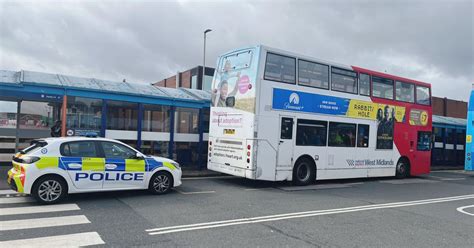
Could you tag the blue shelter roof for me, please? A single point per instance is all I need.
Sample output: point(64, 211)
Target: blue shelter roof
point(79, 86)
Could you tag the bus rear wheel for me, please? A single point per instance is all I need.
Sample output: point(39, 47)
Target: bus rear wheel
point(403, 169)
point(304, 172)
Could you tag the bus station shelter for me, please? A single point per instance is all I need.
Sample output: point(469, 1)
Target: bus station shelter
point(169, 122)
point(449, 141)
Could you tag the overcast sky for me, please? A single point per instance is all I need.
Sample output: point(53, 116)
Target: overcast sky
point(146, 41)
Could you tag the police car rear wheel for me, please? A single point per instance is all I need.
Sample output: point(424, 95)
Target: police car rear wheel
point(49, 190)
point(161, 183)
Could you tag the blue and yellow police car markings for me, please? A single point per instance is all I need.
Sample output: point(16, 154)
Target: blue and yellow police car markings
point(67, 163)
point(93, 164)
point(119, 164)
point(137, 165)
point(47, 162)
point(152, 164)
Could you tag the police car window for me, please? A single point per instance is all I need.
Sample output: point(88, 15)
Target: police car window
point(115, 150)
point(79, 149)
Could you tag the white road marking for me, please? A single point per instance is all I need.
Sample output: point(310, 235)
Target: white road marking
point(408, 181)
point(194, 193)
point(12, 200)
point(449, 178)
point(203, 178)
point(70, 240)
point(7, 192)
point(320, 186)
point(254, 189)
point(43, 222)
point(452, 171)
point(461, 209)
point(232, 222)
point(38, 209)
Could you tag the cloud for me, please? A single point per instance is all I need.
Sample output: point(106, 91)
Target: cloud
point(146, 41)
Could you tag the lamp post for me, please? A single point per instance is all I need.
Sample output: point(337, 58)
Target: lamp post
point(204, 58)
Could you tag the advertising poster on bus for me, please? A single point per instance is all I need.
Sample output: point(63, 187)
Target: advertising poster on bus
point(385, 123)
point(385, 115)
point(234, 81)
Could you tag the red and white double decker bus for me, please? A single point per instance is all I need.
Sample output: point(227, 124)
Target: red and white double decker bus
point(277, 115)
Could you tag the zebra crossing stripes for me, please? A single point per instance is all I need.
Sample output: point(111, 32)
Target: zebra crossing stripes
point(68, 240)
point(17, 206)
point(14, 200)
point(38, 209)
point(43, 222)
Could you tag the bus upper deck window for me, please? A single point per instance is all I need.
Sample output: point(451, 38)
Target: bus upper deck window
point(423, 95)
point(236, 61)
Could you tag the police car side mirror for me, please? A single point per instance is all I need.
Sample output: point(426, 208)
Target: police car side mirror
point(139, 156)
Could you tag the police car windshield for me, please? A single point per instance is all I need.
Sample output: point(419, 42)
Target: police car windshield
point(35, 145)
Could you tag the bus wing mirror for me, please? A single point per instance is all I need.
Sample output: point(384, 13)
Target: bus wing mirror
point(230, 101)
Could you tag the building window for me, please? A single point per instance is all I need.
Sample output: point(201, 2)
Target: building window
point(8, 114)
point(311, 133)
point(438, 135)
point(38, 115)
point(206, 115)
point(194, 82)
point(84, 113)
point(186, 153)
point(460, 138)
point(155, 148)
point(423, 95)
point(382, 88)
point(342, 134)
point(450, 136)
point(313, 74)
point(405, 92)
point(364, 84)
point(362, 135)
point(343, 80)
point(207, 84)
point(280, 68)
point(187, 120)
point(122, 115)
point(156, 118)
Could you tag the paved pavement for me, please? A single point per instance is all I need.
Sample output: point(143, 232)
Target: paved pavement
point(435, 210)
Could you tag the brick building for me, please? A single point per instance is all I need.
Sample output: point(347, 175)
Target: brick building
point(191, 79)
point(449, 107)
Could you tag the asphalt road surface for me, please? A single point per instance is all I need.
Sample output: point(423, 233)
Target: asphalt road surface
point(435, 210)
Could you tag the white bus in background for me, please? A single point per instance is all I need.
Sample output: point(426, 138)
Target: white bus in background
point(276, 116)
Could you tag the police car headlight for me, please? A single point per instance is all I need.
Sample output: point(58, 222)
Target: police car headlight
point(29, 159)
point(176, 165)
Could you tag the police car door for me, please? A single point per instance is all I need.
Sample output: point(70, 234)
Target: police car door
point(122, 169)
point(83, 163)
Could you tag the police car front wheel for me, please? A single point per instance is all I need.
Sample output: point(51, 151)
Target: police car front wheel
point(49, 189)
point(161, 183)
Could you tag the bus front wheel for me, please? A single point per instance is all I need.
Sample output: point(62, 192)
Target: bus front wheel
point(304, 172)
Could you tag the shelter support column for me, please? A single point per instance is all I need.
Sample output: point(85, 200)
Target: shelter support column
point(64, 116)
point(17, 127)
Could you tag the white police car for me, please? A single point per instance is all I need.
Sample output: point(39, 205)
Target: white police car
point(53, 167)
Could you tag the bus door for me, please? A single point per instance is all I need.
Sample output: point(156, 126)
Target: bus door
point(285, 142)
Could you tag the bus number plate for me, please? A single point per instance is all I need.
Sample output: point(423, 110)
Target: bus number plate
point(229, 131)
